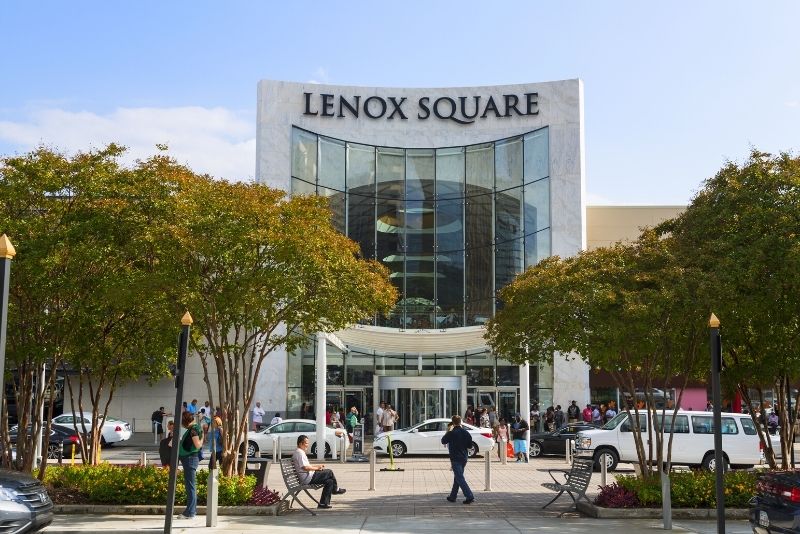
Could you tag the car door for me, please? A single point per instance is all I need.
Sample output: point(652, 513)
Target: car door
point(626, 440)
point(558, 440)
point(428, 438)
point(284, 431)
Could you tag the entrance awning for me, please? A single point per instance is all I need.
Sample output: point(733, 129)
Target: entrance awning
point(392, 340)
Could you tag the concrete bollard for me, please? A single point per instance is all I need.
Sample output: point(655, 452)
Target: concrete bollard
point(488, 462)
point(568, 451)
point(603, 470)
point(143, 459)
point(343, 453)
point(503, 451)
point(372, 470)
point(277, 453)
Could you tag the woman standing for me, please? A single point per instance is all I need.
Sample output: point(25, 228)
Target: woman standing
point(190, 446)
point(501, 437)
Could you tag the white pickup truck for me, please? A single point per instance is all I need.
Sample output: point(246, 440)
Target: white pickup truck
point(693, 441)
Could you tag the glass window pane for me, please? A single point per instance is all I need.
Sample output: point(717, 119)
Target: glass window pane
point(537, 247)
point(480, 369)
point(480, 166)
point(420, 171)
point(391, 167)
point(361, 218)
point(537, 155)
point(301, 187)
point(336, 202)
point(537, 206)
point(360, 166)
point(450, 173)
point(508, 262)
point(331, 163)
point(304, 155)
point(419, 294)
point(508, 163)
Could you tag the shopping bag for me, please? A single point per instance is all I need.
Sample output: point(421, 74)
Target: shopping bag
point(509, 450)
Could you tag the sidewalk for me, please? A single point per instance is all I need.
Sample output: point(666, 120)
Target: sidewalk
point(339, 523)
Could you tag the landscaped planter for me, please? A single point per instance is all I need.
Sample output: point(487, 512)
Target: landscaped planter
point(279, 508)
point(655, 513)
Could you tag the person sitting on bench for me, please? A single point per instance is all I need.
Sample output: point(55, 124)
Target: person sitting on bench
point(315, 474)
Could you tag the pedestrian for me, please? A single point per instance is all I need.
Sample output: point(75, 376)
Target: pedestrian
point(587, 414)
point(501, 437)
point(315, 474)
point(610, 413)
point(352, 420)
point(549, 419)
point(217, 438)
point(518, 430)
point(184, 407)
point(485, 421)
point(573, 412)
point(458, 441)
point(209, 409)
point(709, 406)
point(193, 407)
point(165, 446)
point(597, 417)
point(492, 417)
point(335, 422)
point(257, 415)
point(559, 418)
point(535, 417)
point(379, 418)
point(469, 416)
point(277, 419)
point(157, 419)
point(190, 446)
point(389, 418)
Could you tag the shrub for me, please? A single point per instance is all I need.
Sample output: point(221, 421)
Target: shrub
point(617, 496)
point(690, 489)
point(113, 484)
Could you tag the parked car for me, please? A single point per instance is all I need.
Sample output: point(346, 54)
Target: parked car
point(554, 443)
point(289, 430)
point(114, 430)
point(693, 440)
point(60, 436)
point(776, 506)
point(426, 438)
point(24, 503)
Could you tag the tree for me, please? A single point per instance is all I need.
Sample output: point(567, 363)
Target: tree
point(262, 271)
point(742, 232)
point(626, 309)
point(90, 232)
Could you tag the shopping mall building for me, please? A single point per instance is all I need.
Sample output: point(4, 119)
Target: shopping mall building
point(456, 191)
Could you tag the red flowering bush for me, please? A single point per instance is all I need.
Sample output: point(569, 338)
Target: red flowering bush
point(263, 497)
point(617, 496)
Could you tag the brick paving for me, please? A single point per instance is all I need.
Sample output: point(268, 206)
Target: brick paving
point(420, 489)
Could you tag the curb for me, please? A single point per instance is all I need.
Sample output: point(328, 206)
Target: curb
point(157, 509)
point(655, 513)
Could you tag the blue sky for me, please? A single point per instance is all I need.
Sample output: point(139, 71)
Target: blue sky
point(672, 90)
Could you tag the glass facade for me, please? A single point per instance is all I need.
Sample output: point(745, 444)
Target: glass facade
point(454, 225)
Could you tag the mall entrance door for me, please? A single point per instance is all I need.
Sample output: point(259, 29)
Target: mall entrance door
point(419, 398)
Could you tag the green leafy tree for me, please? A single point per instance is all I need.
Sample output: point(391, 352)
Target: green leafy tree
point(742, 231)
point(261, 272)
point(90, 230)
point(628, 309)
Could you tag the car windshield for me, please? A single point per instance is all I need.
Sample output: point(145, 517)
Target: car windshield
point(614, 423)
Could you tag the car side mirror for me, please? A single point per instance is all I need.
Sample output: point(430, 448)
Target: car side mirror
point(414, 431)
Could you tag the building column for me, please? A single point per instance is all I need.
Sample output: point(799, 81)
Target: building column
point(322, 392)
point(525, 396)
point(463, 407)
point(376, 401)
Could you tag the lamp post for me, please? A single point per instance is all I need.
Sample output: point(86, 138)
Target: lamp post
point(7, 253)
point(719, 462)
point(180, 374)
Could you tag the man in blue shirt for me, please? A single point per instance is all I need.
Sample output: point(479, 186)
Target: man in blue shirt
point(458, 442)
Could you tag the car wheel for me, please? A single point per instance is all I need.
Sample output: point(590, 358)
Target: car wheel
point(252, 449)
point(314, 450)
point(52, 451)
point(609, 456)
point(709, 463)
point(398, 449)
point(535, 449)
point(472, 450)
point(103, 442)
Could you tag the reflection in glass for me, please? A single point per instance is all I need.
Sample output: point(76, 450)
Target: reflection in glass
point(537, 155)
point(304, 155)
point(331, 163)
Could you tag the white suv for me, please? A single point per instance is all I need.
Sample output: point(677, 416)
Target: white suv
point(693, 441)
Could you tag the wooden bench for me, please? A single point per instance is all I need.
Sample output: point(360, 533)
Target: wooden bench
point(576, 482)
point(294, 486)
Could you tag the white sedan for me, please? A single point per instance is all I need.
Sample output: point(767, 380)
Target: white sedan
point(114, 430)
point(426, 438)
point(289, 430)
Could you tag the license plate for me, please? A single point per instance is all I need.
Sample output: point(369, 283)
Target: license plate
point(763, 519)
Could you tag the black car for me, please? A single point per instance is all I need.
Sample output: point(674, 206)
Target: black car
point(555, 442)
point(24, 503)
point(776, 506)
point(61, 437)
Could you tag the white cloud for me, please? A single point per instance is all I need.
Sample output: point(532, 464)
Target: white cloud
point(593, 199)
point(793, 104)
point(209, 140)
point(320, 76)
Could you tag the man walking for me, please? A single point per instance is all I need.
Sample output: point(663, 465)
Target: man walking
point(458, 442)
point(315, 474)
point(573, 412)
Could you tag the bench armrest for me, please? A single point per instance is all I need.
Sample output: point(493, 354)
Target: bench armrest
point(564, 472)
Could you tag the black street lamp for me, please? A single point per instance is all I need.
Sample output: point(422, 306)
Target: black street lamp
point(719, 461)
point(7, 253)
